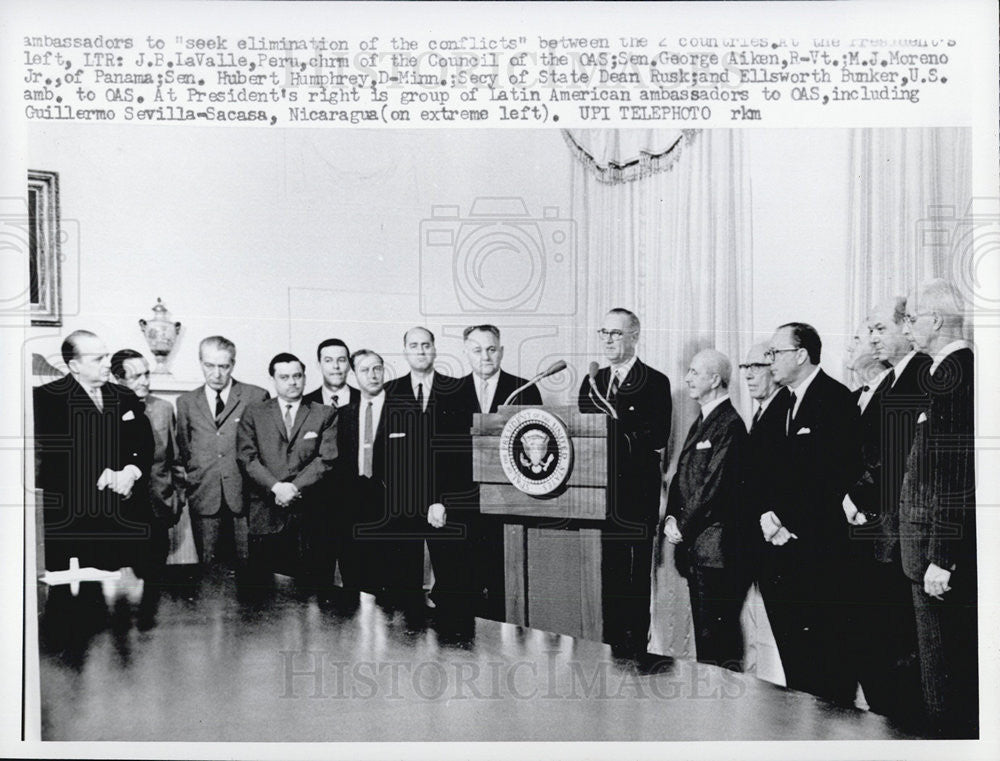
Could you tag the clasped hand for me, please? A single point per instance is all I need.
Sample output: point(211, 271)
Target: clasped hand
point(284, 493)
point(119, 481)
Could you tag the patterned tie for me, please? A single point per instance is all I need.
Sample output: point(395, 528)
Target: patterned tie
point(615, 385)
point(219, 406)
point(288, 420)
point(369, 438)
point(420, 396)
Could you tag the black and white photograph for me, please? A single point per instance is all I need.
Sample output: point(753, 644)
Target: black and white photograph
point(624, 432)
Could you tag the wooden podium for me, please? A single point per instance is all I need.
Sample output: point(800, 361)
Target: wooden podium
point(552, 545)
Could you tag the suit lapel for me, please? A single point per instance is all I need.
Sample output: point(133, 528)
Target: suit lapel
point(279, 421)
point(300, 417)
point(692, 436)
point(201, 404)
point(235, 393)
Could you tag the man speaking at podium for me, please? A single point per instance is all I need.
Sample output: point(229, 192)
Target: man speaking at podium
point(637, 399)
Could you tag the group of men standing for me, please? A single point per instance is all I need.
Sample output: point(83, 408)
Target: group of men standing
point(853, 512)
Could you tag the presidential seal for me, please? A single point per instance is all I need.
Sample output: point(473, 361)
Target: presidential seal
point(536, 452)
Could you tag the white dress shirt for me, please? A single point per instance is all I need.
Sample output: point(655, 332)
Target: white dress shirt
point(341, 395)
point(210, 394)
point(486, 399)
point(426, 382)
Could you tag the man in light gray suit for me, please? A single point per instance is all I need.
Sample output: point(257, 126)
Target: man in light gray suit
point(207, 419)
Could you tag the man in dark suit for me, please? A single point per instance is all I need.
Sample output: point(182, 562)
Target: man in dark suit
point(333, 358)
point(640, 397)
point(804, 569)
point(938, 514)
point(883, 630)
point(359, 474)
point(762, 463)
point(93, 450)
point(166, 475)
point(484, 390)
point(422, 446)
point(702, 519)
point(207, 419)
point(285, 448)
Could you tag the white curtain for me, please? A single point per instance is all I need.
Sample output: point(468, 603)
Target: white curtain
point(674, 246)
point(909, 211)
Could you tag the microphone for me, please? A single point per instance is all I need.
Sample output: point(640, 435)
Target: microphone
point(605, 404)
point(555, 367)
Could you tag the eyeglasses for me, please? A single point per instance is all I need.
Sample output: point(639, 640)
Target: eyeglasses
point(770, 354)
point(912, 318)
point(755, 367)
point(614, 335)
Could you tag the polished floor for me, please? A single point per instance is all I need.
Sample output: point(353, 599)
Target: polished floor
point(210, 659)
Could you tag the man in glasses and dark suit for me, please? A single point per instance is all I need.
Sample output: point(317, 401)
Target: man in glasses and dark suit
point(637, 435)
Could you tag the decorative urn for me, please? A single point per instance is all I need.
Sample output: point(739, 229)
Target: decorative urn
point(161, 335)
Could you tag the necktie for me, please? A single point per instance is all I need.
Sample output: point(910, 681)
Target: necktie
point(791, 412)
point(420, 396)
point(288, 420)
point(333, 401)
point(219, 405)
point(483, 397)
point(756, 417)
point(615, 384)
point(369, 437)
point(95, 394)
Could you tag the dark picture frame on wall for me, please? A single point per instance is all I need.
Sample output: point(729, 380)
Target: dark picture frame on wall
point(44, 258)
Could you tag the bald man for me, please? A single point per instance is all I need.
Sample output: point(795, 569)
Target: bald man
point(93, 452)
point(702, 512)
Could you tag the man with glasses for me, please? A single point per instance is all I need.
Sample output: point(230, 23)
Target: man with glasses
point(762, 461)
point(884, 630)
point(637, 436)
point(938, 513)
point(805, 560)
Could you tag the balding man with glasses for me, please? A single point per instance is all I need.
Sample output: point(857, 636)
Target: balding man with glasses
point(637, 435)
point(804, 570)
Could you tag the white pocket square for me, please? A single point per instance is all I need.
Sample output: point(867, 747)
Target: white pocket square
point(310, 435)
point(802, 431)
point(703, 445)
point(128, 416)
point(396, 435)
point(922, 418)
